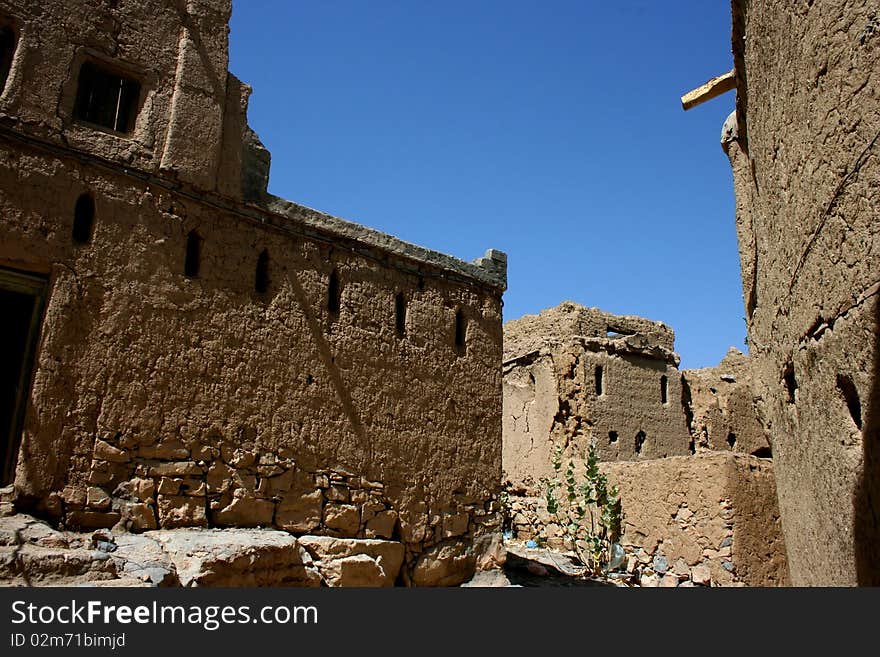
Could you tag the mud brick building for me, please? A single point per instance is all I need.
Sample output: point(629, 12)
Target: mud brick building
point(181, 348)
point(803, 144)
point(685, 448)
point(572, 374)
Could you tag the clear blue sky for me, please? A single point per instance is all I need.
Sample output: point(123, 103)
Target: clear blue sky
point(551, 130)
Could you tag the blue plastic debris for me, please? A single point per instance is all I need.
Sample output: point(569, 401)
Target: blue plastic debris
point(531, 544)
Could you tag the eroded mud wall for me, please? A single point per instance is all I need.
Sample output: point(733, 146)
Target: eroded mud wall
point(804, 154)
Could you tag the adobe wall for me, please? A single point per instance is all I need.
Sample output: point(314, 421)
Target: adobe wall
point(160, 399)
point(552, 394)
point(803, 146)
point(698, 495)
point(724, 410)
point(710, 519)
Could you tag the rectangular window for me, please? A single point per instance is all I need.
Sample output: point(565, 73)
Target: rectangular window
point(106, 98)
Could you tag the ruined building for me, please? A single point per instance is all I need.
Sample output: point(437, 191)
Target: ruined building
point(803, 146)
point(685, 448)
point(574, 373)
point(182, 349)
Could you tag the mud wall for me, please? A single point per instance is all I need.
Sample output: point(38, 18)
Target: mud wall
point(724, 410)
point(708, 520)
point(804, 153)
point(571, 376)
point(203, 362)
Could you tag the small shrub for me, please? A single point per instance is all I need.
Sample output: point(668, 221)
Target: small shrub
point(589, 512)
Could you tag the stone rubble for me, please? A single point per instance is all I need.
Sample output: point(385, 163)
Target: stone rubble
point(34, 554)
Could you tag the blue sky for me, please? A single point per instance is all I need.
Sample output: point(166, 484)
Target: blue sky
point(550, 130)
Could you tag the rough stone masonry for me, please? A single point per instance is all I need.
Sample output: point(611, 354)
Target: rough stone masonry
point(184, 350)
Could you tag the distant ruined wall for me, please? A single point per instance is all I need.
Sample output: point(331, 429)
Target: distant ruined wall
point(203, 361)
point(804, 150)
point(724, 409)
point(697, 489)
point(709, 520)
point(572, 374)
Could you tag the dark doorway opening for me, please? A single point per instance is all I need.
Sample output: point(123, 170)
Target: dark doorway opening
point(21, 306)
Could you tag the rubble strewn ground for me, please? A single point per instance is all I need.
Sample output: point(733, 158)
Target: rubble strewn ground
point(32, 553)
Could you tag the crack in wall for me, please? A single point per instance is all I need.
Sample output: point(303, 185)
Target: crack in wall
point(838, 192)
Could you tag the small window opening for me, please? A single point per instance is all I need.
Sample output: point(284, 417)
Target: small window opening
point(731, 440)
point(612, 437)
point(664, 389)
point(106, 98)
point(790, 382)
point(614, 333)
point(597, 374)
point(851, 397)
point(640, 441)
point(7, 51)
point(460, 330)
point(400, 314)
point(261, 280)
point(333, 293)
point(192, 263)
point(83, 218)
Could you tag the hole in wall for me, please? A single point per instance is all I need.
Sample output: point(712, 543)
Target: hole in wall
point(731, 440)
point(763, 453)
point(640, 441)
point(8, 40)
point(790, 382)
point(261, 279)
point(192, 262)
point(851, 397)
point(752, 302)
point(614, 333)
point(334, 293)
point(460, 330)
point(597, 375)
point(400, 314)
point(686, 400)
point(83, 219)
point(692, 446)
point(612, 437)
point(664, 389)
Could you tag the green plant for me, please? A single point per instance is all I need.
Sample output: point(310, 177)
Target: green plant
point(589, 513)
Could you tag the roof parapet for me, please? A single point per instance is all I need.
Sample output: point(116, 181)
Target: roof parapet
point(490, 269)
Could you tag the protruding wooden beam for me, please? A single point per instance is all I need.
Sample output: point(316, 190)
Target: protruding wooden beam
point(714, 87)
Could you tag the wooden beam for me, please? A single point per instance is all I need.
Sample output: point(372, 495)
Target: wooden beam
point(714, 87)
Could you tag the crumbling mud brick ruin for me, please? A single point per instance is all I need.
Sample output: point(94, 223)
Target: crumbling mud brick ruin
point(803, 147)
point(182, 349)
point(203, 384)
point(684, 448)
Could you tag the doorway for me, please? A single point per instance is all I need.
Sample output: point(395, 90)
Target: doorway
point(22, 297)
